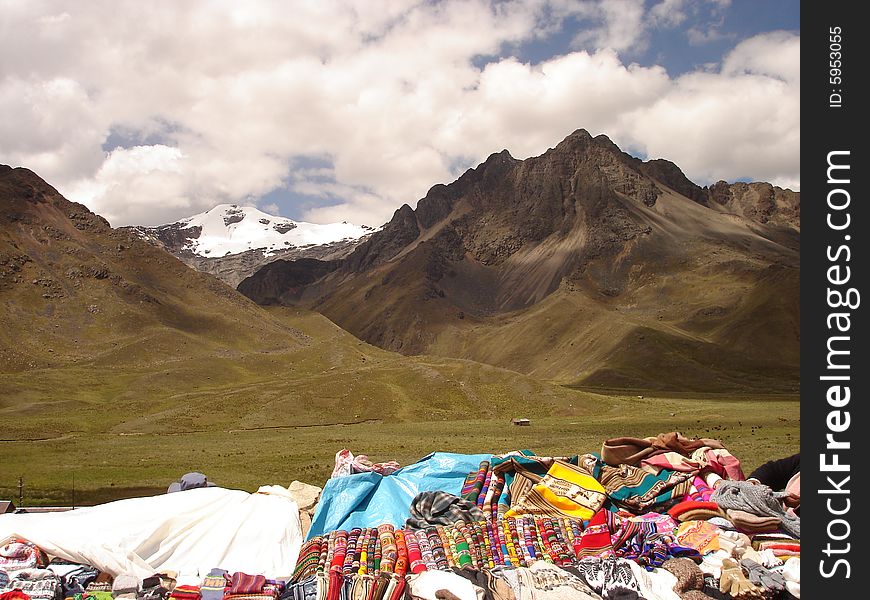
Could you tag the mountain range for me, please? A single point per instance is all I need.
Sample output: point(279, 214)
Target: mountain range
point(232, 242)
point(105, 334)
point(584, 266)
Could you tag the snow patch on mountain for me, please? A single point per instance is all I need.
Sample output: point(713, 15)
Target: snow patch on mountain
point(231, 229)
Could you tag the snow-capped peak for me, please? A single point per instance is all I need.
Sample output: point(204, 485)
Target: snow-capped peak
point(230, 229)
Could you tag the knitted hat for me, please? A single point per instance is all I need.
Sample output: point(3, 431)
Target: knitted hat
point(794, 485)
point(213, 585)
point(688, 574)
point(695, 510)
point(753, 523)
point(701, 514)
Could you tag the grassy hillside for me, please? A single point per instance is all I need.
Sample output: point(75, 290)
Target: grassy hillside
point(326, 376)
point(281, 416)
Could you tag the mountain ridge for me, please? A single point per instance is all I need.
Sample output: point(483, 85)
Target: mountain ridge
point(621, 238)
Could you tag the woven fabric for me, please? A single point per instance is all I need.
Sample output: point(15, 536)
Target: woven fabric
point(441, 508)
point(242, 583)
point(631, 451)
point(306, 565)
point(635, 489)
point(700, 535)
point(20, 554)
point(595, 539)
point(473, 486)
point(566, 490)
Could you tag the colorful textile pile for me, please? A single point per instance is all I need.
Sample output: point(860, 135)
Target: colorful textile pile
point(609, 521)
point(660, 518)
point(507, 542)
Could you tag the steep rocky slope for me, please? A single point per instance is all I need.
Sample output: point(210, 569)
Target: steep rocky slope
point(584, 265)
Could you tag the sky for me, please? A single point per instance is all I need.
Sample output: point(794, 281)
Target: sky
point(343, 110)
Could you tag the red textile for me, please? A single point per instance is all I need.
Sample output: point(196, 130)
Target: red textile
point(242, 583)
point(595, 539)
point(186, 592)
point(688, 505)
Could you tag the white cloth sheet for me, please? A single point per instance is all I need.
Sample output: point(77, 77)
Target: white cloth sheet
point(187, 532)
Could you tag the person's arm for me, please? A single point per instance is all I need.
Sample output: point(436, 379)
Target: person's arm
point(776, 473)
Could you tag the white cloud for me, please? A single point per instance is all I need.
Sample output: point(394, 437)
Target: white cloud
point(270, 208)
point(668, 13)
point(224, 98)
point(743, 121)
point(619, 25)
point(775, 54)
point(146, 177)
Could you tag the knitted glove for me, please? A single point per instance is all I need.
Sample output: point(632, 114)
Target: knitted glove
point(749, 553)
point(734, 543)
point(766, 558)
point(712, 563)
point(734, 583)
point(760, 576)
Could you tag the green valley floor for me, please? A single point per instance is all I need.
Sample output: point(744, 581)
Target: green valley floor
point(93, 467)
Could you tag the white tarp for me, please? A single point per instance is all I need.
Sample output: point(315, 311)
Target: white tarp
point(188, 532)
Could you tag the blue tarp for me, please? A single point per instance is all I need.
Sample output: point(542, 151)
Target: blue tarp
point(369, 499)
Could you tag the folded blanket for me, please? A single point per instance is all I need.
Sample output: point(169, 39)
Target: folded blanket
point(186, 592)
point(565, 491)
point(242, 583)
point(631, 451)
point(441, 508)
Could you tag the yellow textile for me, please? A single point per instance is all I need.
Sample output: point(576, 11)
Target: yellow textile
point(700, 535)
point(565, 491)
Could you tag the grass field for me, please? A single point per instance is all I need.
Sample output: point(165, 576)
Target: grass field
point(96, 467)
point(121, 369)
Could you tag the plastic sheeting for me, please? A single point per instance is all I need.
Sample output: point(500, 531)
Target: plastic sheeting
point(188, 532)
point(370, 499)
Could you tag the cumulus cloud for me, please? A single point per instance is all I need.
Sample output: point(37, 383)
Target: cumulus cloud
point(617, 24)
point(742, 121)
point(225, 101)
